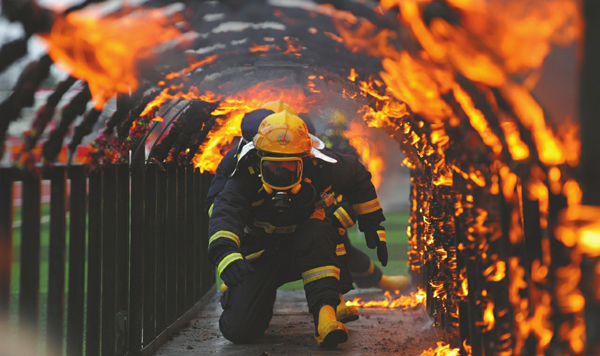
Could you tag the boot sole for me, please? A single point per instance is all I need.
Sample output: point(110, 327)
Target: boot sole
point(334, 338)
point(349, 318)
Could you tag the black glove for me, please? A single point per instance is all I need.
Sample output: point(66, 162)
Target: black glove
point(375, 237)
point(233, 267)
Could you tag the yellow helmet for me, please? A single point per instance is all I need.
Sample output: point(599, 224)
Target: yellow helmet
point(282, 140)
point(278, 106)
point(283, 133)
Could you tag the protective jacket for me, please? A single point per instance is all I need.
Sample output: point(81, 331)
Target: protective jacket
point(243, 203)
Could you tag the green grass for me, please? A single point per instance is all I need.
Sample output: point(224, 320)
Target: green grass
point(397, 242)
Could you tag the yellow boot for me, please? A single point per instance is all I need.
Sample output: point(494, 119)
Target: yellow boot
point(345, 313)
point(394, 283)
point(223, 288)
point(330, 331)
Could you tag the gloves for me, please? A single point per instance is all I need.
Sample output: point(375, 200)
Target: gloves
point(233, 267)
point(375, 237)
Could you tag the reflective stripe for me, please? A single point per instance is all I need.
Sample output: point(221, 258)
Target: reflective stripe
point(320, 272)
point(227, 260)
point(340, 250)
point(367, 207)
point(381, 234)
point(251, 170)
point(270, 229)
point(258, 203)
point(254, 255)
point(225, 234)
point(343, 217)
point(367, 273)
point(210, 209)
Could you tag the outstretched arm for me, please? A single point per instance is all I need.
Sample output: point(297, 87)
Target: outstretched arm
point(353, 180)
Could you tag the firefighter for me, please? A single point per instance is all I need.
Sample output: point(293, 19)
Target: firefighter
point(278, 194)
point(356, 265)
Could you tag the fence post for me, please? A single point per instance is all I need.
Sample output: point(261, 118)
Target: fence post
point(30, 251)
point(6, 219)
point(161, 245)
point(189, 237)
point(197, 218)
point(122, 258)
point(149, 253)
point(56, 259)
point(209, 270)
point(109, 259)
point(171, 241)
point(92, 331)
point(77, 216)
point(136, 293)
point(181, 196)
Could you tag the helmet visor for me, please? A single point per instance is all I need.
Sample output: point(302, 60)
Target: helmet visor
point(281, 172)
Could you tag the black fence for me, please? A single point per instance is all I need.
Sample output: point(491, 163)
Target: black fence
point(132, 242)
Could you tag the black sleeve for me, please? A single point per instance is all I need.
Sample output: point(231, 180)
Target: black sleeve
point(230, 212)
point(224, 170)
point(353, 181)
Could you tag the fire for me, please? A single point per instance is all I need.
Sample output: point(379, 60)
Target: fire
point(106, 51)
point(262, 48)
point(192, 67)
point(517, 148)
point(495, 272)
point(352, 75)
point(192, 93)
point(580, 227)
point(405, 302)
point(367, 151)
point(477, 120)
point(488, 316)
point(232, 109)
point(442, 349)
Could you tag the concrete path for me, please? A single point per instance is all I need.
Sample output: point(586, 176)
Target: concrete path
point(377, 332)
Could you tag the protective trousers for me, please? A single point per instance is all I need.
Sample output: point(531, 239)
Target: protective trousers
point(364, 272)
point(308, 253)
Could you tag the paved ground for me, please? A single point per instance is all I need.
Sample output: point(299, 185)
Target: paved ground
point(377, 332)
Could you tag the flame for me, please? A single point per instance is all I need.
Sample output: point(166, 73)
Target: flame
point(495, 272)
point(477, 120)
point(262, 48)
point(517, 148)
point(367, 151)
point(405, 302)
point(192, 93)
point(106, 51)
point(232, 109)
point(192, 67)
point(352, 75)
point(488, 316)
point(442, 349)
point(580, 227)
point(293, 46)
point(531, 115)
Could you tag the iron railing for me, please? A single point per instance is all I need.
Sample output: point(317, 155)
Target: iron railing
point(133, 240)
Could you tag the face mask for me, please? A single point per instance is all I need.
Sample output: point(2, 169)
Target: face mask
point(281, 173)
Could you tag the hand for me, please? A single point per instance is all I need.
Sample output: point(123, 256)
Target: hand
point(233, 267)
point(375, 237)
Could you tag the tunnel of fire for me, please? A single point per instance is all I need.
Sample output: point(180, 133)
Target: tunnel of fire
point(500, 242)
